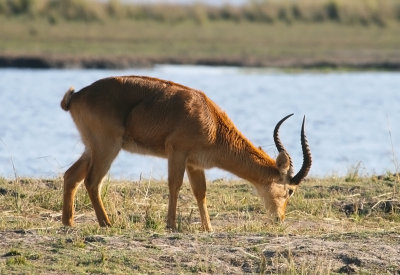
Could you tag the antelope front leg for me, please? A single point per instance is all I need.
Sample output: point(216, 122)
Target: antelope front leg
point(198, 182)
point(176, 170)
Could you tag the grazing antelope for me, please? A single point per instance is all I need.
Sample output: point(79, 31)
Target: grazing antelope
point(161, 118)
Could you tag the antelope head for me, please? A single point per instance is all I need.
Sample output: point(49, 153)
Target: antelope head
point(276, 193)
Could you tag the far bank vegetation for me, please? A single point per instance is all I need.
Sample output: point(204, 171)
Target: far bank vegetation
point(363, 12)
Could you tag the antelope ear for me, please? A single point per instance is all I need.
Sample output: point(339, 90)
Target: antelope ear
point(283, 163)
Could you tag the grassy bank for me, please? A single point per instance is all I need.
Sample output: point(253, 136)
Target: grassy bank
point(333, 225)
point(339, 11)
point(128, 43)
point(302, 34)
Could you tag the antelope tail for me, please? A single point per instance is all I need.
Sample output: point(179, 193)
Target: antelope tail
point(66, 101)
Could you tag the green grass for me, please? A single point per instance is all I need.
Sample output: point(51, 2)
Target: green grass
point(219, 42)
point(338, 11)
point(356, 212)
point(331, 33)
point(233, 205)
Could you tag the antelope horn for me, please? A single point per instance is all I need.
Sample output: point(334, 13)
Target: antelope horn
point(307, 160)
point(279, 144)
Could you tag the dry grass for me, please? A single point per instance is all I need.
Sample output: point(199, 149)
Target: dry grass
point(246, 43)
point(345, 214)
point(301, 34)
point(362, 12)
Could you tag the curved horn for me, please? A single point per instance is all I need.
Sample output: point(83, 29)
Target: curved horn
point(307, 160)
point(279, 144)
point(277, 141)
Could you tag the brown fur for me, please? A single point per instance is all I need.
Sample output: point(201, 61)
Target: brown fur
point(152, 116)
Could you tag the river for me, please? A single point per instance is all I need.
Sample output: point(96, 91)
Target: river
point(351, 117)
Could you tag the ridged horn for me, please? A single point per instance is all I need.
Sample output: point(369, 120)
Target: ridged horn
point(279, 145)
point(307, 159)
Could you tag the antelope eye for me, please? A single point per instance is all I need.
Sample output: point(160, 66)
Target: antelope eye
point(290, 192)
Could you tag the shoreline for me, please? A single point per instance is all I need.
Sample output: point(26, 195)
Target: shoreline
point(42, 61)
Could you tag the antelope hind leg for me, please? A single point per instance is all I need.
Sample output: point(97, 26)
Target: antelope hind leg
point(100, 164)
point(72, 178)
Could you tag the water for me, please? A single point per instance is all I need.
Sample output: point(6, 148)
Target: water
point(351, 117)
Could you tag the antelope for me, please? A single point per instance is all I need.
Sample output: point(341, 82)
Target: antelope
point(151, 116)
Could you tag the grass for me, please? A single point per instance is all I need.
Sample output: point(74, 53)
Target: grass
point(219, 42)
point(331, 33)
point(329, 211)
point(338, 11)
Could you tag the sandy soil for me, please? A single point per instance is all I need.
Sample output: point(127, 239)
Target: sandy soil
point(226, 253)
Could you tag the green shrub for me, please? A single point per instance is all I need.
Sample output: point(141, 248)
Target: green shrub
point(115, 9)
point(332, 10)
point(79, 10)
point(363, 12)
point(20, 7)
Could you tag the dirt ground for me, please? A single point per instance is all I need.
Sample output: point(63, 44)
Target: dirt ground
point(333, 226)
point(217, 253)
